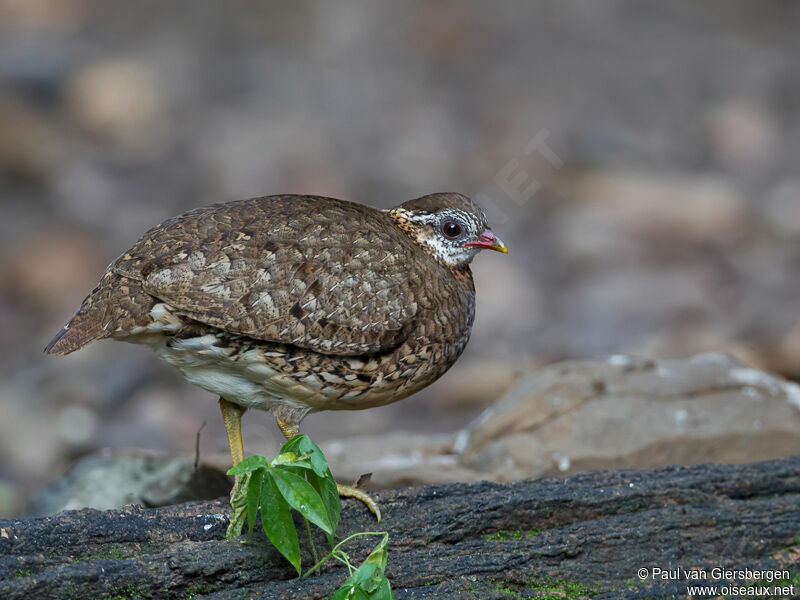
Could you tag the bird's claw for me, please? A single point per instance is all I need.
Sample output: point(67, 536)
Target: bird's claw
point(348, 491)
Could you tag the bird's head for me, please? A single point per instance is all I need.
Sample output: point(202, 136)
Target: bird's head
point(450, 225)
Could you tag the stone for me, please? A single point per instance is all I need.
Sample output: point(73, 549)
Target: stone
point(742, 135)
point(118, 98)
point(678, 205)
point(624, 412)
point(781, 208)
point(28, 144)
point(397, 459)
point(112, 480)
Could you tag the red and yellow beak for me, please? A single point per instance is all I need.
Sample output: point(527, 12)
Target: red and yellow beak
point(491, 241)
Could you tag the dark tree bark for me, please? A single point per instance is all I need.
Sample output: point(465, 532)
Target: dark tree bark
point(583, 535)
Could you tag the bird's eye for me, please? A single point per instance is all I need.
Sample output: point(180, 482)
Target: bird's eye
point(451, 229)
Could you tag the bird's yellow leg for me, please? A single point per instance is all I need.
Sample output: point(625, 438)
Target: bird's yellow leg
point(346, 491)
point(232, 416)
point(288, 431)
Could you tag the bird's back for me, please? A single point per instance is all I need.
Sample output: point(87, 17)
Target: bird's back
point(317, 273)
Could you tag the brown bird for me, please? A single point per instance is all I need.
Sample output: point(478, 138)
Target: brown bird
point(296, 304)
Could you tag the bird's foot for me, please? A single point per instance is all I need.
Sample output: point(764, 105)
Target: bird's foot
point(349, 491)
point(238, 506)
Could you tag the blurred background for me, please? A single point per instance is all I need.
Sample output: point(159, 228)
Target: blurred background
point(640, 159)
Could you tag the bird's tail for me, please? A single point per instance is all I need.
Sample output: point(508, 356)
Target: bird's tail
point(84, 327)
point(116, 304)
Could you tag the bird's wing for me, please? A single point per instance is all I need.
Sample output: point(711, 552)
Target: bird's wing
point(318, 273)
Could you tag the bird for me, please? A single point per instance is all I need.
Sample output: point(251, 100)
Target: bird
point(296, 304)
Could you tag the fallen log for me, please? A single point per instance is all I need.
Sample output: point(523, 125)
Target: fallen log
point(582, 535)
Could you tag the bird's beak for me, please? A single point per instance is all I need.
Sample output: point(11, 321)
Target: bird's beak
point(491, 241)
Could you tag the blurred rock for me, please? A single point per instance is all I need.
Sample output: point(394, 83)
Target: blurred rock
point(77, 425)
point(785, 356)
point(478, 383)
point(397, 459)
point(118, 98)
point(782, 208)
point(44, 14)
point(10, 498)
point(43, 268)
point(742, 135)
point(28, 144)
point(505, 288)
point(575, 416)
point(112, 480)
point(591, 235)
point(677, 206)
point(445, 32)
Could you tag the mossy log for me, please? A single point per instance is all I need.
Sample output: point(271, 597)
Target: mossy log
point(583, 535)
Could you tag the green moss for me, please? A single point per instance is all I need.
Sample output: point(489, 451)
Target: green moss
point(73, 593)
point(544, 589)
point(21, 573)
point(128, 592)
point(508, 592)
point(568, 590)
point(506, 535)
point(794, 580)
point(198, 590)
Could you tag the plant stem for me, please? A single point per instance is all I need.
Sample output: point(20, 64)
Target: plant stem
point(311, 541)
point(336, 548)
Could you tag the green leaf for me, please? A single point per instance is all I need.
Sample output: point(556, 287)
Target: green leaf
point(384, 591)
point(292, 445)
point(350, 592)
point(367, 577)
point(253, 498)
point(321, 480)
point(371, 572)
point(379, 555)
point(303, 444)
point(369, 580)
point(318, 460)
point(283, 458)
point(251, 463)
point(326, 487)
point(238, 507)
point(302, 497)
point(303, 463)
point(276, 518)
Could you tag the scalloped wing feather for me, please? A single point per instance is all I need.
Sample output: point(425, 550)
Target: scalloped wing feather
point(286, 269)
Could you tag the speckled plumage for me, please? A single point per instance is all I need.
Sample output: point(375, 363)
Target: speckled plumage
point(293, 303)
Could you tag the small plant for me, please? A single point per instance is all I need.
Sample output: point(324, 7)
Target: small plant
point(369, 580)
point(299, 478)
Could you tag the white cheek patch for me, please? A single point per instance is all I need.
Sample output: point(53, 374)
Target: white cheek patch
point(451, 253)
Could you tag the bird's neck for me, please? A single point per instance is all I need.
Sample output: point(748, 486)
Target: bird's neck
point(402, 220)
point(410, 225)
